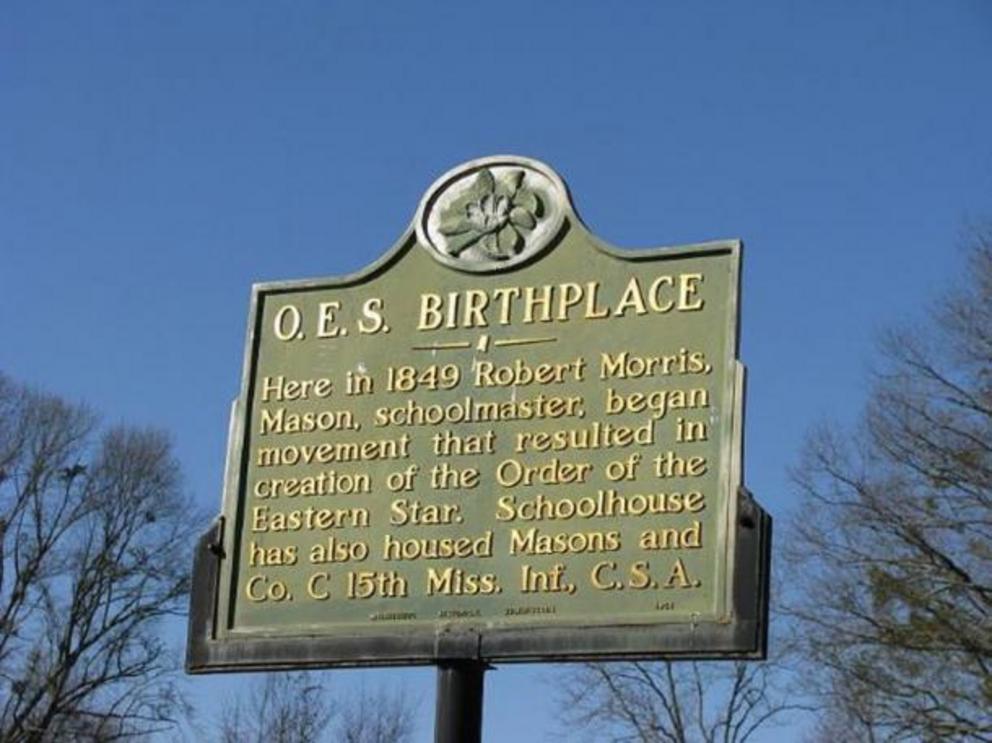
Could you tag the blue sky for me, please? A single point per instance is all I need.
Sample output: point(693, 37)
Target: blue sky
point(158, 158)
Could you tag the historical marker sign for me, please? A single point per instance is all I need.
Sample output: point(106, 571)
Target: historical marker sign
point(505, 440)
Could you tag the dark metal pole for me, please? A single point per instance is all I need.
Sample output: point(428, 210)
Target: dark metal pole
point(458, 718)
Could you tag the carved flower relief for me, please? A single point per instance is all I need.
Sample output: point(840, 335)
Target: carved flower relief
point(493, 213)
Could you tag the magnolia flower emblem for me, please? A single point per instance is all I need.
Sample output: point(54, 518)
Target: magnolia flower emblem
point(495, 214)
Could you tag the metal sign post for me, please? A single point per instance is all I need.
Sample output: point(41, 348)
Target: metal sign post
point(503, 441)
point(458, 715)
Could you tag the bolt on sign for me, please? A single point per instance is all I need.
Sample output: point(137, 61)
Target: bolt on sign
point(505, 440)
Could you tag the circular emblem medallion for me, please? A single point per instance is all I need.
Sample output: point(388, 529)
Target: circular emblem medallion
point(491, 214)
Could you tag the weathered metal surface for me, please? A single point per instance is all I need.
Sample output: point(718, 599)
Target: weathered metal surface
point(505, 440)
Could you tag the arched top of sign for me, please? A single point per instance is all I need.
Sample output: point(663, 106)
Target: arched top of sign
point(492, 214)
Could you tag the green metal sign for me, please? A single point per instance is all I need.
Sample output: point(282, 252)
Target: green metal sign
point(505, 440)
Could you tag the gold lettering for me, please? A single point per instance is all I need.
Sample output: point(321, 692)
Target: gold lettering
point(263, 556)
point(631, 297)
point(430, 312)
point(570, 295)
point(597, 579)
point(669, 538)
point(315, 586)
point(282, 421)
point(545, 581)
point(341, 451)
point(592, 311)
point(688, 289)
point(437, 548)
point(283, 389)
point(476, 301)
point(264, 519)
point(452, 313)
point(451, 581)
point(505, 297)
point(325, 320)
point(405, 511)
point(372, 320)
point(639, 578)
point(287, 323)
point(532, 301)
point(658, 402)
point(679, 577)
point(510, 473)
point(606, 503)
point(654, 294)
point(533, 541)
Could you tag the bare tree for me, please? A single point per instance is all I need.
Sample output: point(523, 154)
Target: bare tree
point(281, 708)
point(295, 707)
point(93, 553)
point(893, 549)
point(710, 702)
point(380, 716)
